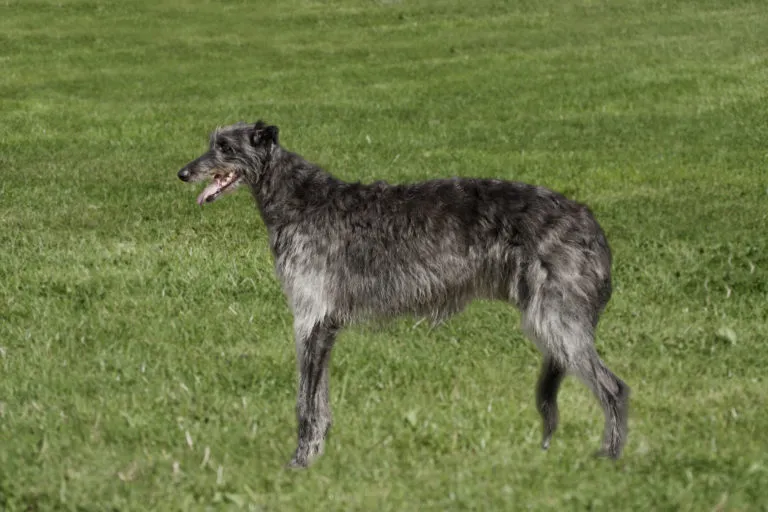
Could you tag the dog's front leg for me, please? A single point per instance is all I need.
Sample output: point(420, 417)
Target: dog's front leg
point(314, 342)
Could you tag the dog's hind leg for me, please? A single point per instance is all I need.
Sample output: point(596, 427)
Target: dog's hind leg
point(313, 409)
point(563, 329)
point(613, 394)
point(550, 378)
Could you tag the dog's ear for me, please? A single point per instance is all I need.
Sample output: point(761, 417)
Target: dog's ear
point(263, 133)
point(271, 134)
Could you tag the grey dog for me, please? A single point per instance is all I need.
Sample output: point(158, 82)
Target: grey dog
point(346, 252)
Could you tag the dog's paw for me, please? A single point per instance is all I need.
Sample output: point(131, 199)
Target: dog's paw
point(604, 453)
point(297, 463)
point(306, 453)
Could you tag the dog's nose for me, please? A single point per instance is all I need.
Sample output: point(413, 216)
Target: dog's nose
point(184, 174)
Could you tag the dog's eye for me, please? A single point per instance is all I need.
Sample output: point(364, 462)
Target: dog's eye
point(225, 148)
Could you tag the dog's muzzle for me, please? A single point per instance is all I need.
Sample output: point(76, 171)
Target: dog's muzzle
point(184, 174)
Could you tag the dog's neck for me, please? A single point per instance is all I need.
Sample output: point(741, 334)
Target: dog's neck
point(288, 178)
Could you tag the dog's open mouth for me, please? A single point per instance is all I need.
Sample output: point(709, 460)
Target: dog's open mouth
point(220, 185)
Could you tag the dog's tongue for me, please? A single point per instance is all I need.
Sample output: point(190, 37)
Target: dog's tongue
point(209, 193)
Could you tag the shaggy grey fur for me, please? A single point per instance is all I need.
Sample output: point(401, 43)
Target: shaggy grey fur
point(346, 252)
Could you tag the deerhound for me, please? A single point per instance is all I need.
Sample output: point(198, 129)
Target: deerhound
point(346, 252)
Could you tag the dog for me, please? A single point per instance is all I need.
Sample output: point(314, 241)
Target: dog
point(348, 252)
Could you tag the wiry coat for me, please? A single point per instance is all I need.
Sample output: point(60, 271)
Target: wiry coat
point(345, 252)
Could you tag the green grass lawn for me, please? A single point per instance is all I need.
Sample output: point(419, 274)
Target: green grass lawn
point(146, 359)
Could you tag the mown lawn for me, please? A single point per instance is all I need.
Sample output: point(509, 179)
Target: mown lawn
point(146, 359)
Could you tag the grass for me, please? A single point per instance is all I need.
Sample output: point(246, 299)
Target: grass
point(145, 347)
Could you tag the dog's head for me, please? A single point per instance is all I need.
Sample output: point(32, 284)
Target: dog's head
point(237, 153)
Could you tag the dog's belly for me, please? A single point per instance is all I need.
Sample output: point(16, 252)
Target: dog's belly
point(393, 283)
